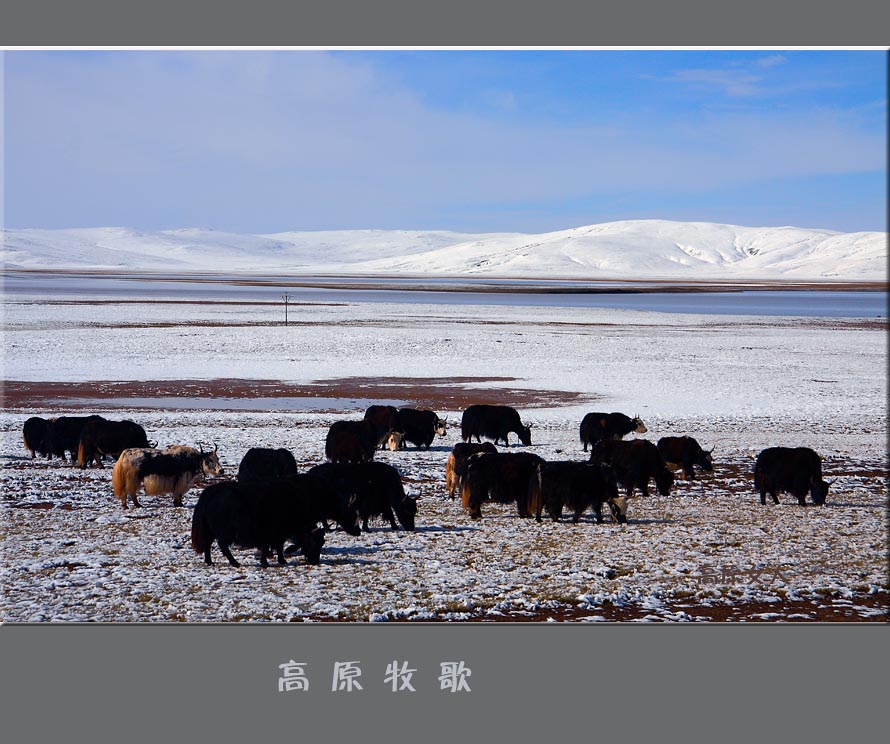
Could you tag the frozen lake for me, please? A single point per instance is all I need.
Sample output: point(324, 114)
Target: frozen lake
point(642, 296)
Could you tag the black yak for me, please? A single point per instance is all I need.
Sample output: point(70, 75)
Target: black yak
point(63, 434)
point(456, 465)
point(259, 514)
point(262, 463)
point(795, 470)
point(351, 441)
point(685, 453)
point(376, 485)
point(493, 422)
point(420, 427)
point(576, 486)
point(34, 436)
point(387, 425)
point(634, 462)
point(596, 426)
point(501, 477)
point(101, 437)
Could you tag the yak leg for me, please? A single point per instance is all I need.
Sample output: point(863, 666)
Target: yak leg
point(227, 553)
point(598, 510)
point(207, 558)
point(132, 496)
point(540, 508)
point(177, 494)
point(392, 519)
point(264, 556)
point(801, 487)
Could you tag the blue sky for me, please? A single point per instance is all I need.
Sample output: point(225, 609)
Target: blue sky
point(266, 141)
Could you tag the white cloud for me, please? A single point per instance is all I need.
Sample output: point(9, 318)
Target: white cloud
point(733, 82)
point(772, 60)
point(275, 141)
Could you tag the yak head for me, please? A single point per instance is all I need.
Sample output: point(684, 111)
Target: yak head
point(210, 462)
point(819, 489)
point(525, 435)
point(639, 426)
point(471, 499)
point(349, 517)
point(705, 461)
point(406, 510)
point(394, 440)
point(618, 507)
point(440, 426)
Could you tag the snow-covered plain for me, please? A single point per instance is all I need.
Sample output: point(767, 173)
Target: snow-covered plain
point(736, 383)
point(631, 249)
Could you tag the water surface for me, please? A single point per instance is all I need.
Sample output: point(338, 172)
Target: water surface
point(642, 296)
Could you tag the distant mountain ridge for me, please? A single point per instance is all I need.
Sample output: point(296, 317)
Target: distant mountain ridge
point(631, 249)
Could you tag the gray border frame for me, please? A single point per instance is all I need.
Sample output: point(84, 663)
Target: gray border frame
point(413, 23)
point(529, 683)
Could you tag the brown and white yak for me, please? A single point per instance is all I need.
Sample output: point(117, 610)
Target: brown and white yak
point(173, 470)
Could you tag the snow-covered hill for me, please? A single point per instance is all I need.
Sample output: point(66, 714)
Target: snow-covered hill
point(637, 249)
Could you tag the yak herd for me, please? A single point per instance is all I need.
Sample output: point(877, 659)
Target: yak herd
point(272, 503)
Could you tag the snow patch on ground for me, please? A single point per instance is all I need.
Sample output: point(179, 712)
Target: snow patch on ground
point(737, 385)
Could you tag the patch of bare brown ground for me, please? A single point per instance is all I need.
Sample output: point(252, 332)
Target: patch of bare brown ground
point(871, 608)
point(424, 392)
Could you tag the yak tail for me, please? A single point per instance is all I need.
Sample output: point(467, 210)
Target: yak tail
point(450, 478)
point(124, 478)
point(201, 537)
point(119, 478)
point(81, 455)
point(465, 492)
point(534, 492)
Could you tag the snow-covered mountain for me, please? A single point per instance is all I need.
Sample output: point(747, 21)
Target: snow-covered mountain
point(635, 249)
